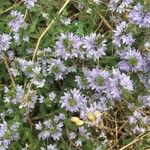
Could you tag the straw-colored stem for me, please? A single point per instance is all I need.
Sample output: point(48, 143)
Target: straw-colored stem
point(47, 28)
point(135, 140)
point(10, 75)
point(10, 8)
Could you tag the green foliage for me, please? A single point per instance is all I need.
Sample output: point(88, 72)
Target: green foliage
point(85, 20)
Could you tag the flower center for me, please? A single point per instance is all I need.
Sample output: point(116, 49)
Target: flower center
point(55, 69)
point(84, 81)
point(72, 102)
point(81, 48)
point(100, 80)
point(132, 62)
point(68, 44)
point(53, 129)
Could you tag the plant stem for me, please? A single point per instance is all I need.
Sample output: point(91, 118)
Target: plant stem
point(135, 140)
point(10, 75)
point(47, 28)
point(8, 9)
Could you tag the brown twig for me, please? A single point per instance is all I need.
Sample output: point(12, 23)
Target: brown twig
point(105, 21)
point(116, 126)
point(10, 75)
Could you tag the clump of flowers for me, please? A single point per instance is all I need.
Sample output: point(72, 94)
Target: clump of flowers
point(5, 41)
point(17, 21)
point(122, 38)
point(119, 6)
point(51, 128)
point(117, 83)
point(73, 101)
point(138, 17)
point(132, 61)
point(97, 79)
point(8, 134)
point(137, 119)
point(74, 75)
point(95, 46)
point(57, 68)
point(30, 3)
point(68, 46)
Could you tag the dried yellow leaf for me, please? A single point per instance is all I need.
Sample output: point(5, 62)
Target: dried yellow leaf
point(91, 116)
point(75, 119)
point(80, 123)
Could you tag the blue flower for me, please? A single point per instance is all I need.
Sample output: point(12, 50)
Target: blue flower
point(57, 68)
point(131, 60)
point(73, 100)
point(95, 46)
point(120, 37)
point(68, 46)
point(4, 42)
point(97, 79)
point(116, 83)
point(138, 17)
point(30, 3)
point(17, 21)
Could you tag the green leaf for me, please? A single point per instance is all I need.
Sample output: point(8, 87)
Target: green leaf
point(15, 146)
point(34, 24)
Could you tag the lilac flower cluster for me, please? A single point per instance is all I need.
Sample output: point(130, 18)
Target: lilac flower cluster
point(20, 97)
point(17, 21)
point(83, 134)
point(95, 46)
point(138, 17)
point(136, 119)
point(50, 147)
point(29, 70)
point(5, 41)
point(8, 134)
point(30, 3)
point(68, 46)
point(75, 88)
point(145, 101)
point(57, 68)
point(93, 112)
point(72, 46)
point(120, 37)
point(119, 6)
point(118, 82)
point(97, 79)
point(51, 128)
point(102, 87)
point(109, 84)
point(131, 60)
point(37, 77)
point(73, 101)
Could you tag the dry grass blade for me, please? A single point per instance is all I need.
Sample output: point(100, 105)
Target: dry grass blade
point(10, 8)
point(106, 22)
point(47, 28)
point(135, 140)
point(10, 75)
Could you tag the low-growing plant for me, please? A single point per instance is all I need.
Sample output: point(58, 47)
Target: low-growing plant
point(74, 74)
